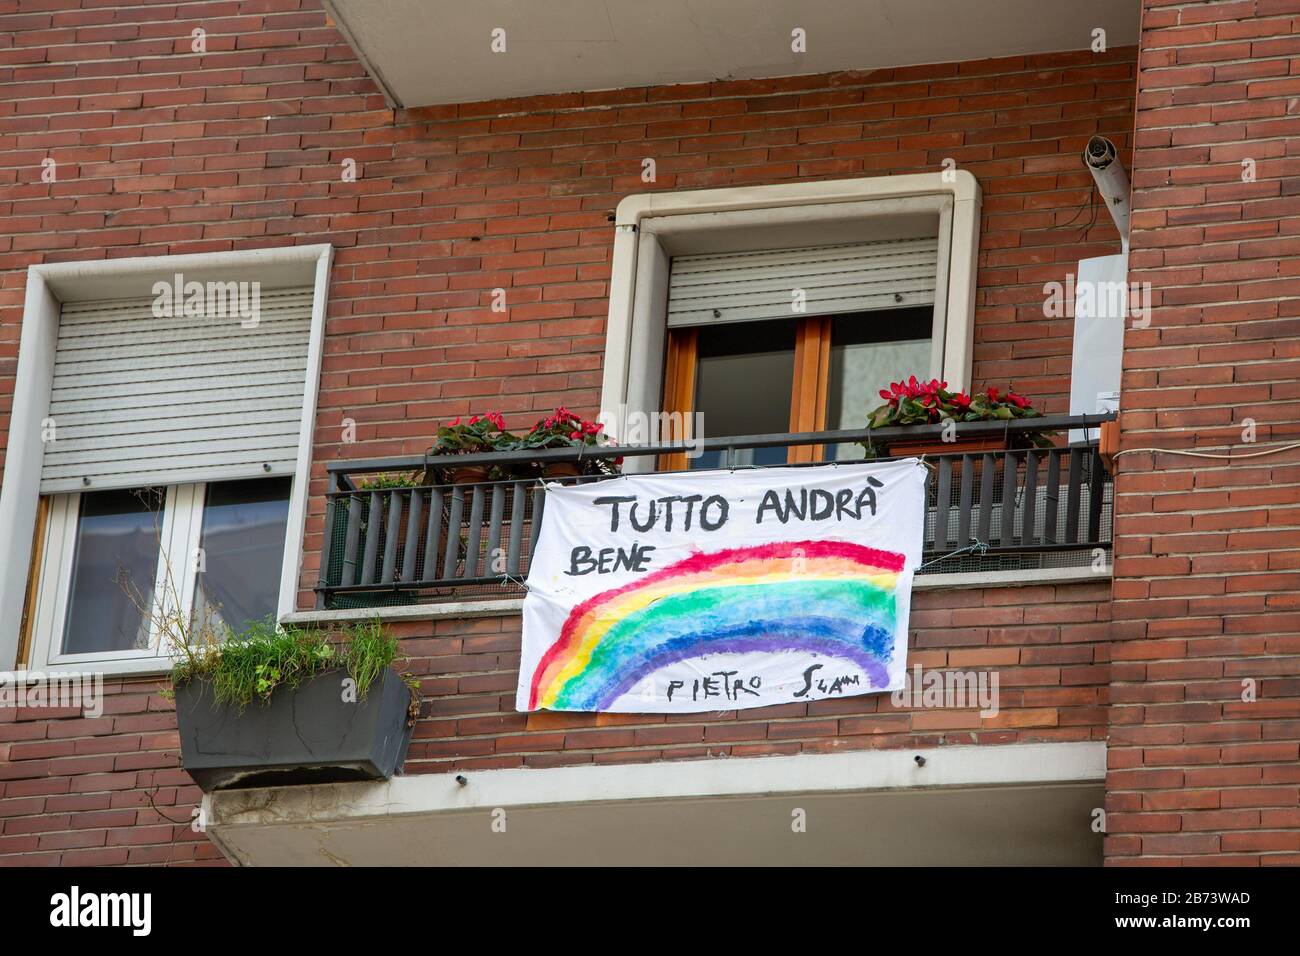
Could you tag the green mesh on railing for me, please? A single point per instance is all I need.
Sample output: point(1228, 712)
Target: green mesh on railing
point(338, 539)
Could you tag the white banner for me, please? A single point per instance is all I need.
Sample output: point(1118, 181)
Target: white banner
point(720, 590)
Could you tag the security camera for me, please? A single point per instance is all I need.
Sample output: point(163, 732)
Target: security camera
point(1102, 160)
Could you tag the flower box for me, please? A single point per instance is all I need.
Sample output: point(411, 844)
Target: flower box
point(315, 732)
point(935, 446)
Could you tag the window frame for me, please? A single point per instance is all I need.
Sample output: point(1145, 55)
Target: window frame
point(652, 228)
point(49, 616)
point(809, 385)
point(49, 287)
point(180, 534)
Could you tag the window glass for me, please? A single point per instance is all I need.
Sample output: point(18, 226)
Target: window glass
point(868, 351)
point(242, 552)
point(742, 386)
point(114, 570)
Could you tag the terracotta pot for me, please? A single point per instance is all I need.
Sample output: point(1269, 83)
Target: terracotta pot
point(561, 469)
point(935, 446)
point(1109, 444)
point(469, 474)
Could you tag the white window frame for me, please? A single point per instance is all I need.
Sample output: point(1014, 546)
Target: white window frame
point(651, 228)
point(180, 535)
point(49, 286)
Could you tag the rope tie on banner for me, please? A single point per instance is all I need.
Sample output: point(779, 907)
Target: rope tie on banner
point(979, 547)
point(511, 579)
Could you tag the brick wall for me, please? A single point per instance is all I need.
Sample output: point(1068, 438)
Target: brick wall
point(161, 150)
point(458, 200)
point(1046, 643)
point(109, 791)
point(1208, 554)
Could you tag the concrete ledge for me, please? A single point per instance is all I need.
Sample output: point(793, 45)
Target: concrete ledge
point(955, 766)
point(1009, 579)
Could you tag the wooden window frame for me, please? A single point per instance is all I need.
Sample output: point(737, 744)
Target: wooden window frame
point(809, 386)
point(679, 391)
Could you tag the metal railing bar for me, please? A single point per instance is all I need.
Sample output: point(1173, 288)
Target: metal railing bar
point(411, 543)
point(1072, 493)
point(390, 536)
point(1047, 423)
point(451, 554)
point(986, 497)
point(474, 532)
point(432, 534)
point(517, 506)
point(1052, 499)
point(1010, 483)
point(503, 512)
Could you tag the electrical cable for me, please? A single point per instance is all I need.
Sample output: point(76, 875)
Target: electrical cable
point(1206, 454)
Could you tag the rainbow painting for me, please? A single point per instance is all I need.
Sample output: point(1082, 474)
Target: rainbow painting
point(827, 598)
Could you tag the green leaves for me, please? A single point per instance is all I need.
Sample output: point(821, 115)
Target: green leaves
point(913, 402)
point(250, 665)
point(482, 433)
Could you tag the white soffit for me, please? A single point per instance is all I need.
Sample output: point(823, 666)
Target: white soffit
point(426, 52)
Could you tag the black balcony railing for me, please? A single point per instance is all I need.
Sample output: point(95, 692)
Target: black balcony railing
point(415, 543)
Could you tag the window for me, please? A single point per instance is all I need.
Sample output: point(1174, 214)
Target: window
point(738, 371)
point(805, 298)
point(242, 547)
point(159, 451)
point(813, 374)
point(113, 572)
point(117, 560)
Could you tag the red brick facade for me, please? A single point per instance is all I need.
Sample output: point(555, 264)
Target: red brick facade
point(1208, 554)
point(162, 151)
point(110, 791)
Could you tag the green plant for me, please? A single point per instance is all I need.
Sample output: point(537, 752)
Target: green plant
point(251, 664)
point(412, 479)
point(482, 433)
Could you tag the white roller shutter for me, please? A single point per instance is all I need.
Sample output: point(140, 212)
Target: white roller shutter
point(861, 276)
point(139, 399)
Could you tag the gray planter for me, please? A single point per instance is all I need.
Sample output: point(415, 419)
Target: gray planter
point(306, 734)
